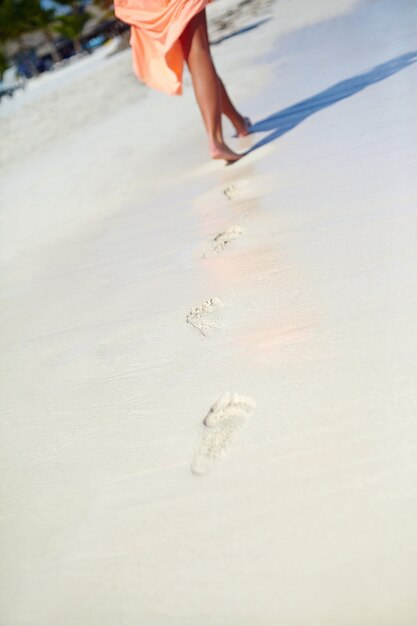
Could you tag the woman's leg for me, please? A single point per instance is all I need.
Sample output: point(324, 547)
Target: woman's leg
point(241, 123)
point(206, 84)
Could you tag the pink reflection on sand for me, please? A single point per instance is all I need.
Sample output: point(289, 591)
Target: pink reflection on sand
point(276, 334)
point(244, 267)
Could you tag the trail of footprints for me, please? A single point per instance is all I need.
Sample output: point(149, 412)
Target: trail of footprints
point(236, 191)
point(229, 413)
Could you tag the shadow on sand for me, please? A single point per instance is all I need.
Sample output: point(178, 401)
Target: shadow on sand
point(241, 31)
point(285, 120)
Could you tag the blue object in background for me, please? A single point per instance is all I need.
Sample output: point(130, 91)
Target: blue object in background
point(95, 42)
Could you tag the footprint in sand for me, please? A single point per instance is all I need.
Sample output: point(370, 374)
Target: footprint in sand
point(206, 316)
point(222, 239)
point(251, 188)
point(224, 420)
point(236, 191)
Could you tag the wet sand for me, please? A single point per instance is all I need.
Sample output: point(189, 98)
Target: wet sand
point(208, 372)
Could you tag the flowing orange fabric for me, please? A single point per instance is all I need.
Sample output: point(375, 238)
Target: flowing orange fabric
point(156, 26)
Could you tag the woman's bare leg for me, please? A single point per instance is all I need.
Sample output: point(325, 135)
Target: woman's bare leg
point(206, 84)
point(241, 123)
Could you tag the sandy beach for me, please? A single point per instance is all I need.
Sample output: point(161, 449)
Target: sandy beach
point(208, 373)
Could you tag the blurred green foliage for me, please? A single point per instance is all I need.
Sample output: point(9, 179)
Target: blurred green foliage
point(19, 17)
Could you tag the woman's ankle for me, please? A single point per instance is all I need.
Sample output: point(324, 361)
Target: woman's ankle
point(242, 126)
point(219, 150)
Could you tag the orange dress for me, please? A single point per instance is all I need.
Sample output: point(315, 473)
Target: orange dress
point(156, 26)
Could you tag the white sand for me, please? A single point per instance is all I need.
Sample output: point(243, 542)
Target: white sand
point(110, 213)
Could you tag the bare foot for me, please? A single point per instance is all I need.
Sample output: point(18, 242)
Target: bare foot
point(221, 151)
point(243, 127)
